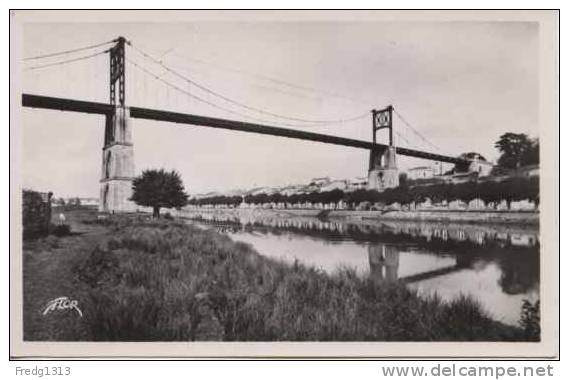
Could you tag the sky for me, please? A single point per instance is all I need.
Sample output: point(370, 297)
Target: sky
point(459, 84)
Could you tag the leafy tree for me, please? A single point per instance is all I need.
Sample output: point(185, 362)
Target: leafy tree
point(531, 155)
point(159, 188)
point(499, 171)
point(510, 189)
point(517, 149)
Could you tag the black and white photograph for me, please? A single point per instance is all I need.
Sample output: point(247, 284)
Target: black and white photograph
point(284, 183)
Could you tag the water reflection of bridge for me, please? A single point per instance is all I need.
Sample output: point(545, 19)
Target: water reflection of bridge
point(384, 265)
point(514, 250)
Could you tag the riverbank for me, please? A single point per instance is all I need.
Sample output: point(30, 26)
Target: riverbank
point(448, 216)
point(138, 279)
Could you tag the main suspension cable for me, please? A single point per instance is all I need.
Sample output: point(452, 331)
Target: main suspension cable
point(200, 99)
point(232, 101)
point(66, 61)
point(69, 51)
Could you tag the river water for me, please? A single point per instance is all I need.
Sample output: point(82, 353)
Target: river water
point(496, 264)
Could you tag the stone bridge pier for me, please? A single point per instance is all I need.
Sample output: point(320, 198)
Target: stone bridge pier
point(383, 173)
point(118, 164)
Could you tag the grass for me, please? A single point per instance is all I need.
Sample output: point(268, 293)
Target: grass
point(49, 272)
point(168, 281)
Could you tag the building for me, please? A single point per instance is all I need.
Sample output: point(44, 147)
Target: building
point(478, 164)
point(420, 172)
point(312, 188)
point(263, 190)
point(357, 183)
point(290, 190)
point(207, 195)
point(335, 185)
point(438, 169)
point(89, 201)
point(482, 167)
point(320, 181)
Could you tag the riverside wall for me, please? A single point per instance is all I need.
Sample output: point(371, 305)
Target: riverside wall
point(459, 216)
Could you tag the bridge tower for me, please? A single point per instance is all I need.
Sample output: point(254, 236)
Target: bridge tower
point(383, 173)
point(118, 154)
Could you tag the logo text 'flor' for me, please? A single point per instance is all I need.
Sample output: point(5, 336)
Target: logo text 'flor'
point(62, 303)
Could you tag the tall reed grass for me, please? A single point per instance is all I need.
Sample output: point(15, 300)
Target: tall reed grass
point(152, 281)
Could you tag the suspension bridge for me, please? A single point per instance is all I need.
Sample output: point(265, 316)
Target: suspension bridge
point(118, 157)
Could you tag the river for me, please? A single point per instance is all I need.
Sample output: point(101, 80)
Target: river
point(497, 265)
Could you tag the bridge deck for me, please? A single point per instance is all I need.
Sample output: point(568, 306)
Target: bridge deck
point(46, 102)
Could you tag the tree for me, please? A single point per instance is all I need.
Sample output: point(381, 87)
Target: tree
point(159, 188)
point(403, 179)
point(517, 149)
point(531, 155)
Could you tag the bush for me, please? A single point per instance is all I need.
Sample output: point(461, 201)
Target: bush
point(61, 230)
point(530, 320)
point(36, 213)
